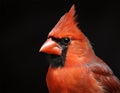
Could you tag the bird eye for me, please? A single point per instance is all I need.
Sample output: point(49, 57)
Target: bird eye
point(66, 40)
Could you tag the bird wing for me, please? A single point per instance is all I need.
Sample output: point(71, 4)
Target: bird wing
point(105, 76)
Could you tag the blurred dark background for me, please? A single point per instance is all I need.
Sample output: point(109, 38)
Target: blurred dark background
point(24, 28)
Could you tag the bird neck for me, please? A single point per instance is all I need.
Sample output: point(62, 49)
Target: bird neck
point(77, 60)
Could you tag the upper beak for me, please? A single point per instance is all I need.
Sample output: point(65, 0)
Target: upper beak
point(51, 47)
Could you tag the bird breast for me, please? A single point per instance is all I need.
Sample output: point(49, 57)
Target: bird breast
point(72, 80)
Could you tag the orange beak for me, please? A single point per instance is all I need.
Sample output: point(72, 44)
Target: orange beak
point(51, 47)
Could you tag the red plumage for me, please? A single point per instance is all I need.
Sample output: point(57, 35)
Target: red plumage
point(80, 70)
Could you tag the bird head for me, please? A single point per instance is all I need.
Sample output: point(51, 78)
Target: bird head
point(66, 42)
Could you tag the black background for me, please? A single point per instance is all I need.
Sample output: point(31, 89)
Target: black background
point(24, 28)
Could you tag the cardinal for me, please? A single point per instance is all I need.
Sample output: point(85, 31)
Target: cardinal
point(74, 67)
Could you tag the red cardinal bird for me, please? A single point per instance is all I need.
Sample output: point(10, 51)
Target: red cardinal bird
point(74, 67)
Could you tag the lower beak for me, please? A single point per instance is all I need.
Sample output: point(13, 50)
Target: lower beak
point(51, 47)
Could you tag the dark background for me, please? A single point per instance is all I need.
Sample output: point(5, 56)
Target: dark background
point(24, 28)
